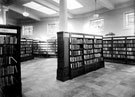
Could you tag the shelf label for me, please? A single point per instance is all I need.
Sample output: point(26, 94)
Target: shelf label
point(4, 30)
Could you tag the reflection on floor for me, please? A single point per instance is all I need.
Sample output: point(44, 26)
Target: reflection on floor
point(39, 80)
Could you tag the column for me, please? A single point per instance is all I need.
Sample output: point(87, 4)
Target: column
point(63, 15)
point(3, 14)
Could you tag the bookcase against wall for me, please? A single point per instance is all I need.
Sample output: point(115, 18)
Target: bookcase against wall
point(119, 49)
point(26, 49)
point(45, 48)
point(78, 54)
point(10, 70)
point(51, 47)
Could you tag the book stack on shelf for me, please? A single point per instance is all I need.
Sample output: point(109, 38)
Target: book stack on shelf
point(130, 44)
point(78, 54)
point(35, 47)
point(107, 48)
point(10, 72)
point(40, 48)
point(26, 49)
point(51, 47)
point(45, 48)
point(119, 49)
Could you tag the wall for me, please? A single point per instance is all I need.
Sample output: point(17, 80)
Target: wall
point(113, 23)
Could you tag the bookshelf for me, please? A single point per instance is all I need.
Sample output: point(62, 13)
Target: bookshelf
point(78, 54)
point(119, 49)
point(45, 48)
point(10, 70)
point(26, 49)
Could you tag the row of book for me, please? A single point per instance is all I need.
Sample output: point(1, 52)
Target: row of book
point(97, 45)
point(75, 47)
point(130, 41)
point(7, 81)
point(130, 45)
point(76, 65)
point(119, 45)
point(119, 49)
point(98, 50)
point(99, 41)
point(75, 59)
point(97, 55)
point(7, 49)
point(107, 52)
point(88, 51)
point(107, 55)
point(75, 53)
point(119, 41)
point(119, 52)
point(107, 41)
point(7, 39)
point(8, 70)
point(119, 56)
point(7, 60)
point(131, 57)
point(88, 56)
point(76, 41)
point(130, 49)
point(107, 45)
point(88, 41)
point(88, 46)
point(131, 53)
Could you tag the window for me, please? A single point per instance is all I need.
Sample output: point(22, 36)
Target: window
point(52, 28)
point(129, 20)
point(27, 30)
point(97, 26)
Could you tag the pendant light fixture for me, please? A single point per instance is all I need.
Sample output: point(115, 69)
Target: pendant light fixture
point(95, 14)
point(25, 13)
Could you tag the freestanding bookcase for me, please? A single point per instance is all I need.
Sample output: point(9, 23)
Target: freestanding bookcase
point(26, 49)
point(78, 54)
point(10, 71)
point(119, 49)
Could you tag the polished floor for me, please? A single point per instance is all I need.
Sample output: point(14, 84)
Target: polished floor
point(39, 80)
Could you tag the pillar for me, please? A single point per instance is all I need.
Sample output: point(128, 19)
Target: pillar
point(63, 15)
point(3, 15)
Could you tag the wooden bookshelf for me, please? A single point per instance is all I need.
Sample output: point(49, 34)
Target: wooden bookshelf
point(26, 49)
point(78, 54)
point(45, 48)
point(119, 49)
point(10, 70)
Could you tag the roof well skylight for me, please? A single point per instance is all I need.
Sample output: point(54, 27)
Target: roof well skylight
point(71, 4)
point(39, 7)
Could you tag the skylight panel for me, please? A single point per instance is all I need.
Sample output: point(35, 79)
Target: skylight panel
point(39, 7)
point(71, 4)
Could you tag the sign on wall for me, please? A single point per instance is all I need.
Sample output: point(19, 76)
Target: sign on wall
point(27, 30)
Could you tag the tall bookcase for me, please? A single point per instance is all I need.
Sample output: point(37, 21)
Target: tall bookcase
point(78, 54)
point(26, 49)
point(45, 48)
point(10, 70)
point(119, 49)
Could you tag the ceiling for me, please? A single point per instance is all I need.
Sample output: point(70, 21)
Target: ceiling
point(16, 9)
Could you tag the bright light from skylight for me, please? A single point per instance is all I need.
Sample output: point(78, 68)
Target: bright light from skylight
point(38, 7)
point(71, 4)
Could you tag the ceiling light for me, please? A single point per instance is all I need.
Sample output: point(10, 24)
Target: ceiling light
point(38, 7)
point(71, 4)
point(95, 14)
point(26, 14)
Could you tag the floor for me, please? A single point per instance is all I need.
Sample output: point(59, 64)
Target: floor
point(39, 80)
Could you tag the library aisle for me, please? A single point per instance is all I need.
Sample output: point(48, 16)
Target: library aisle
point(39, 80)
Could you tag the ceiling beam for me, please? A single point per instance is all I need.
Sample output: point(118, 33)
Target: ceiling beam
point(107, 4)
point(49, 5)
point(20, 11)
